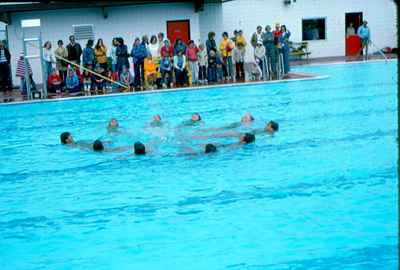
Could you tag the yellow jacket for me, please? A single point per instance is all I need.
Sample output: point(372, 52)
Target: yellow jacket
point(241, 41)
point(226, 47)
point(149, 67)
point(101, 54)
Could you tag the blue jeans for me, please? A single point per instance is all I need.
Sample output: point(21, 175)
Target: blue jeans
point(212, 74)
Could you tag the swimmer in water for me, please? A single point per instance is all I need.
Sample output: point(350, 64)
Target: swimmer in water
point(246, 120)
point(113, 125)
point(244, 139)
point(139, 148)
point(98, 146)
point(208, 149)
point(67, 139)
point(195, 120)
point(156, 121)
point(270, 128)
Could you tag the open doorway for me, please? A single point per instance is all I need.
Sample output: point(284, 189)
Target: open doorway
point(352, 22)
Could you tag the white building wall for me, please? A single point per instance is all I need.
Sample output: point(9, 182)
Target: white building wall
point(211, 20)
point(247, 14)
point(127, 22)
point(135, 21)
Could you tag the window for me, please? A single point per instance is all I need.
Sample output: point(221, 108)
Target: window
point(314, 29)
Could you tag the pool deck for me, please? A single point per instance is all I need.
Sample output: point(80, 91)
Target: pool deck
point(288, 78)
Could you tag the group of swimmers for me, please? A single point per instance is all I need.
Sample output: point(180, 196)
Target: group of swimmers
point(140, 149)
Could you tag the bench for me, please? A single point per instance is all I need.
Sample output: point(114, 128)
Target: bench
point(299, 50)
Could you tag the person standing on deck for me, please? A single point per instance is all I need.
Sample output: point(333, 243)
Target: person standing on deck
point(210, 43)
point(74, 51)
point(256, 37)
point(270, 54)
point(285, 49)
point(350, 30)
point(61, 65)
point(364, 33)
point(5, 80)
point(278, 46)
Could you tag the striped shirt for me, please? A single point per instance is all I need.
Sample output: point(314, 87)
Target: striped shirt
point(21, 68)
point(3, 58)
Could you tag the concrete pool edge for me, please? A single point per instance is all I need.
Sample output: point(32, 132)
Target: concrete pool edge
point(207, 87)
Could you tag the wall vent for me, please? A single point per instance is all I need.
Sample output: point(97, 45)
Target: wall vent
point(83, 31)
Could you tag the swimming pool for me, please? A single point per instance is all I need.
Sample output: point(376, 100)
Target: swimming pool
point(320, 194)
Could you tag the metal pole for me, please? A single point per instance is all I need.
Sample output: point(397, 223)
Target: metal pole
point(266, 68)
point(26, 69)
point(373, 44)
point(44, 69)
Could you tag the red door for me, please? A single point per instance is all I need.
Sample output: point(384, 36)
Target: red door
point(178, 29)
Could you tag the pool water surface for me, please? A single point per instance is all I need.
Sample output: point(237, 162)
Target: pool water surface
point(321, 193)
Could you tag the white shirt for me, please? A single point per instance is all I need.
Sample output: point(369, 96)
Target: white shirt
point(154, 50)
point(48, 55)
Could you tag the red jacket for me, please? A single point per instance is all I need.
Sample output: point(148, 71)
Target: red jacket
point(167, 52)
point(53, 78)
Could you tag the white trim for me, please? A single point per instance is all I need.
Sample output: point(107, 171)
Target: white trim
point(165, 90)
point(344, 63)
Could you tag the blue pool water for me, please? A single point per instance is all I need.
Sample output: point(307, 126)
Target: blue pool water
point(320, 194)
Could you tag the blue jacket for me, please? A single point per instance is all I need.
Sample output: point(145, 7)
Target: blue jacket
point(363, 32)
point(139, 53)
point(72, 82)
point(179, 48)
point(210, 44)
point(88, 56)
point(165, 64)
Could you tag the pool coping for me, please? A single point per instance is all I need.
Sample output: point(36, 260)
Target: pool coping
point(347, 62)
point(310, 77)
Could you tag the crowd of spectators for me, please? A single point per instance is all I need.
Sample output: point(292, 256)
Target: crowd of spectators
point(156, 63)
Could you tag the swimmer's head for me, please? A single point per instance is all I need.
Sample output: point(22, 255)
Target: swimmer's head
point(113, 123)
point(247, 138)
point(139, 148)
point(156, 118)
point(98, 146)
point(210, 148)
point(272, 126)
point(196, 117)
point(66, 138)
point(247, 118)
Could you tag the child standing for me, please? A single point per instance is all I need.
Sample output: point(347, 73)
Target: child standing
point(99, 81)
point(166, 69)
point(87, 82)
point(203, 59)
point(126, 78)
point(150, 72)
point(259, 56)
point(54, 82)
point(221, 68)
point(212, 66)
point(20, 72)
point(88, 54)
point(191, 53)
point(179, 68)
point(226, 47)
point(239, 53)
